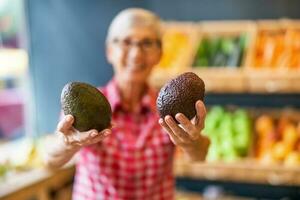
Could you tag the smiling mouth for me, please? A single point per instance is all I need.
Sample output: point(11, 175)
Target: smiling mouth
point(137, 68)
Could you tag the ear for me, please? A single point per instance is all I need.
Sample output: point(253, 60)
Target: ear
point(109, 53)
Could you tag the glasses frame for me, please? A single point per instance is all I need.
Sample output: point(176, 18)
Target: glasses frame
point(146, 45)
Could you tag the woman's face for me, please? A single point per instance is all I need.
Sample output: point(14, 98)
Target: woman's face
point(133, 54)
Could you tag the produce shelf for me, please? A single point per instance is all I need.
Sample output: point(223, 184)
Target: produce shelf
point(273, 81)
point(221, 80)
point(36, 184)
point(271, 165)
point(247, 171)
point(232, 80)
point(245, 78)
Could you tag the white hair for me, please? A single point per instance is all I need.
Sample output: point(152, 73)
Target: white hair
point(133, 18)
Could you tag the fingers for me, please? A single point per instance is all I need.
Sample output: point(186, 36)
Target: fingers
point(187, 125)
point(165, 126)
point(92, 136)
point(65, 124)
point(84, 137)
point(201, 113)
point(173, 137)
point(87, 138)
point(96, 137)
point(179, 132)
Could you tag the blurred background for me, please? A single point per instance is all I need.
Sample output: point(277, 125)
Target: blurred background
point(247, 52)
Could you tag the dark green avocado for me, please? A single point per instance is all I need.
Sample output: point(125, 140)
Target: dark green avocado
point(180, 95)
point(87, 104)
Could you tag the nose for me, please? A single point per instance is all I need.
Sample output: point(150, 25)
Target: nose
point(135, 54)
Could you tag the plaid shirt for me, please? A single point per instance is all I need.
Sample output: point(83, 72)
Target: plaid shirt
point(134, 162)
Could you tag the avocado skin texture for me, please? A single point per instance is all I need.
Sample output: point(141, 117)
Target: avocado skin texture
point(87, 104)
point(180, 95)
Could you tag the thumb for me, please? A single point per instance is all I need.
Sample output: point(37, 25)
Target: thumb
point(65, 124)
point(201, 113)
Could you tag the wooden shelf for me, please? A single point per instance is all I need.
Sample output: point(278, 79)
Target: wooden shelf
point(36, 183)
point(247, 171)
point(243, 79)
point(238, 80)
point(273, 81)
point(220, 80)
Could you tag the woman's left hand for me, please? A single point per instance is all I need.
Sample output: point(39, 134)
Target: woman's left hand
point(187, 135)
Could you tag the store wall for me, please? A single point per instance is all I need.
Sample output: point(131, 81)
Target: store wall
point(66, 39)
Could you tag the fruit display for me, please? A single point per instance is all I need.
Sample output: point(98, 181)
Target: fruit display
point(3, 170)
point(227, 50)
point(230, 134)
point(176, 43)
point(277, 140)
point(265, 137)
point(220, 51)
point(21, 155)
point(278, 49)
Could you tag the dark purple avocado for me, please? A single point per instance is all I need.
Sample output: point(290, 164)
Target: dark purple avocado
point(180, 95)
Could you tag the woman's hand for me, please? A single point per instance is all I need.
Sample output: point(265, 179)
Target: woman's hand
point(187, 135)
point(74, 139)
point(68, 141)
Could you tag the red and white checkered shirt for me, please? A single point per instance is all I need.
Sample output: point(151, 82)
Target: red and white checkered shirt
point(134, 162)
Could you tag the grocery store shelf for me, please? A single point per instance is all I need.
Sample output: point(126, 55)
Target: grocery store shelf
point(253, 100)
point(273, 81)
point(35, 184)
point(256, 73)
point(246, 171)
point(220, 80)
point(237, 80)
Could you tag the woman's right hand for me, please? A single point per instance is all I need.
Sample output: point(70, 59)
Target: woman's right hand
point(74, 139)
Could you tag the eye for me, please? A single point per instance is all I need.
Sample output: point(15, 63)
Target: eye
point(148, 43)
point(126, 43)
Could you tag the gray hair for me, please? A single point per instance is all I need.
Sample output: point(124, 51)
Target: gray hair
point(132, 18)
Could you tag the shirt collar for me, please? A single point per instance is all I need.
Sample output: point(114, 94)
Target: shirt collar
point(148, 101)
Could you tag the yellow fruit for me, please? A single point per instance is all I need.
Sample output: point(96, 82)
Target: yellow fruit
point(293, 159)
point(280, 150)
point(264, 124)
point(290, 135)
point(283, 122)
point(175, 44)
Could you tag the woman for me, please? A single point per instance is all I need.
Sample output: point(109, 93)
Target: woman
point(133, 160)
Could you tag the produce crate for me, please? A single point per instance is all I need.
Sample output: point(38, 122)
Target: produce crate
point(277, 137)
point(273, 81)
point(215, 29)
point(230, 131)
point(247, 172)
point(225, 78)
point(222, 80)
point(252, 169)
point(179, 39)
point(271, 74)
point(276, 45)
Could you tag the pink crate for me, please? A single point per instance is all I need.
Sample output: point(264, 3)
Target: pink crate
point(11, 112)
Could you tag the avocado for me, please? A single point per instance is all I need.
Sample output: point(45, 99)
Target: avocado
point(180, 95)
point(87, 104)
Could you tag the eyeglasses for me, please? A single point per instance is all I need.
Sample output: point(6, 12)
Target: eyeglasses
point(146, 45)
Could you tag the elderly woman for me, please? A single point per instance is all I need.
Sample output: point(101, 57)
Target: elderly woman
point(133, 160)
